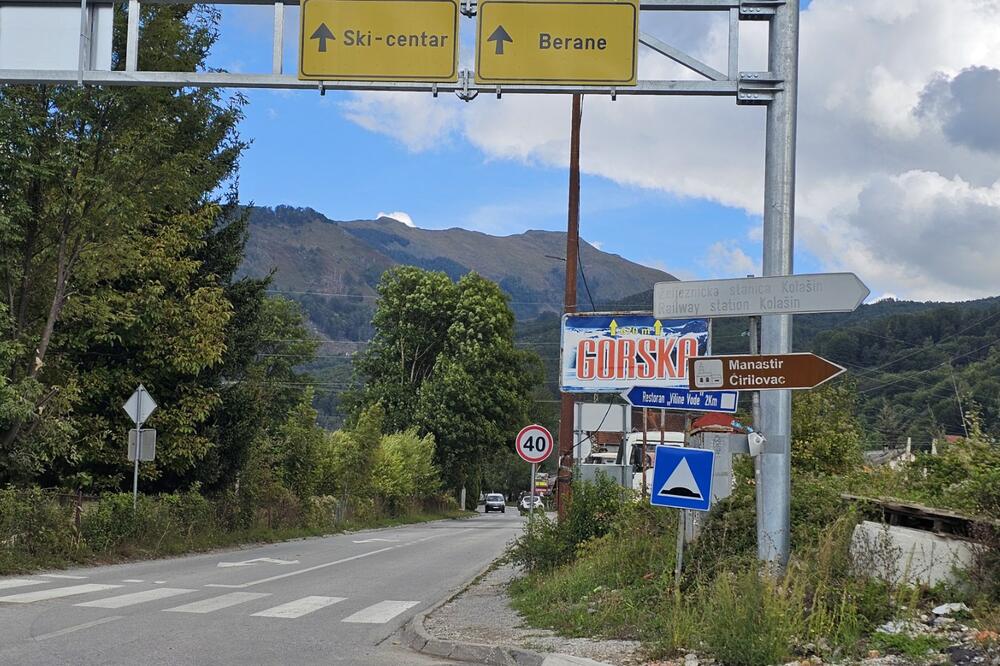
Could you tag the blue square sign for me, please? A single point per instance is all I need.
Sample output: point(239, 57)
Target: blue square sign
point(682, 478)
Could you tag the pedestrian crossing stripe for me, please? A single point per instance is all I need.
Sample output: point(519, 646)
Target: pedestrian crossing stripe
point(55, 593)
point(299, 607)
point(682, 478)
point(376, 613)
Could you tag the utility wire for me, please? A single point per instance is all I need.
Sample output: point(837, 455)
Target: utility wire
point(928, 345)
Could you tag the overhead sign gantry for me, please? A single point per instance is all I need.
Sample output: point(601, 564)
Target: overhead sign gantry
point(776, 88)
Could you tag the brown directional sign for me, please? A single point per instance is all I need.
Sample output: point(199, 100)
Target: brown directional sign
point(760, 373)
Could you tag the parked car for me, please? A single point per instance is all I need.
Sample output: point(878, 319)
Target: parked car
point(495, 502)
point(526, 504)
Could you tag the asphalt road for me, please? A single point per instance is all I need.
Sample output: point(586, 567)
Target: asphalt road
point(336, 599)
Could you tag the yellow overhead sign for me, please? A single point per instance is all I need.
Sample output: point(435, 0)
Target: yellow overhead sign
point(379, 40)
point(572, 42)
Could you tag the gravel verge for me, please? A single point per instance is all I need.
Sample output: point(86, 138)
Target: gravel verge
point(482, 614)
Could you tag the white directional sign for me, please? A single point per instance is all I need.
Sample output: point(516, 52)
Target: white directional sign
point(533, 443)
point(140, 405)
point(751, 297)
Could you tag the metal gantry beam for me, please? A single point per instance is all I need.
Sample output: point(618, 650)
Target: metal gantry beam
point(746, 87)
point(287, 81)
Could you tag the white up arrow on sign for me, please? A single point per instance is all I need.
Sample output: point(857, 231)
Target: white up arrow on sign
point(140, 405)
point(752, 297)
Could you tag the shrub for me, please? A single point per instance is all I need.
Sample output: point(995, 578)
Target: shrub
point(403, 474)
point(34, 527)
point(591, 513)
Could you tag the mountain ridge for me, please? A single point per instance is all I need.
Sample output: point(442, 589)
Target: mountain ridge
point(332, 267)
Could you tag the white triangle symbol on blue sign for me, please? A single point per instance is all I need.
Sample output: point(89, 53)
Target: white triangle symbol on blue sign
point(681, 483)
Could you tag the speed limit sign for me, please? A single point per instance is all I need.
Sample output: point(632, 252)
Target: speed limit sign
point(534, 443)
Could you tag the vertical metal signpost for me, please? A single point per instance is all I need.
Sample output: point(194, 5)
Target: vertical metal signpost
point(139, 406)
point(776, 330)
point(138, 447)
point(534, 469)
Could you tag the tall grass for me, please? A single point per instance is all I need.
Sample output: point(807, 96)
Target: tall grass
point(40, 529)
point(621, 585)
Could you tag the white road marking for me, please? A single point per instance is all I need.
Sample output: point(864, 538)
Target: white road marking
point(381, 612)
point(55, 593)
point(65, 576)
point(329, 564)
point(85, 625)
point(133, 598)
point(218, 603)
point(133, 580)
point(19, 582)
point(299, 607)
point(250, 563)
point(159, 582)
point(371, 540)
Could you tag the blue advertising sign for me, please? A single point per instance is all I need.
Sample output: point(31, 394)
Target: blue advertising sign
point(682, 478)
point(682, 399)
point(610, 352)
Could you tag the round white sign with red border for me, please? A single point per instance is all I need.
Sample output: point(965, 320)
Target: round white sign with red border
point(534, 443)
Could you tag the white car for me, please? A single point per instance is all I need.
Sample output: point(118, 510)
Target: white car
point(526, 504)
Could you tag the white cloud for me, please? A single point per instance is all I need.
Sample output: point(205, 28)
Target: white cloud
point(399, 216)
point(937, 235)
point(597, 244)
point(419, 122)
point(727, 259)
point(898, 141)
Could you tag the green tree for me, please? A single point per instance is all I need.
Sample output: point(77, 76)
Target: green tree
point(349, 455)
point(826, 434)
point(403, 472)
point(119, 245)
point(301, 447)
point(443, 360)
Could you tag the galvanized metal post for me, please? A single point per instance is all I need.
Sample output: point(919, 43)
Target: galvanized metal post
point(644, 442)
point(776, 330)
point(531, 507)
point(755, 415)
point(132, 37)
point(138, 444)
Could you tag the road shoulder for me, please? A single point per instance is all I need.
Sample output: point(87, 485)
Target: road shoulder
point(478, 625)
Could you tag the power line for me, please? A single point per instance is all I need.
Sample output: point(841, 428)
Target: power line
point(934, 367)
point(925, 346)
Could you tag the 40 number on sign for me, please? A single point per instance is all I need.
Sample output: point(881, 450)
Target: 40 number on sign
point(534, 443)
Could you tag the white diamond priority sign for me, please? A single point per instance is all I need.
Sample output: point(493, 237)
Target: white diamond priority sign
point(140, 406)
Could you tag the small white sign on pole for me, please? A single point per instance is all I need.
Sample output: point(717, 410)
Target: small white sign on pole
point(140, 406)
point(147, 444)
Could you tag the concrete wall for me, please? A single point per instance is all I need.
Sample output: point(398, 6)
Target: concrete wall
point(906, 555)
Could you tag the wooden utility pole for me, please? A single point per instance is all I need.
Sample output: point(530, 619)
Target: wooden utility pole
point(565, 471)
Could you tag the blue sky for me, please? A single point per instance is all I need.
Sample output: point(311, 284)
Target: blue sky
point(306, 152)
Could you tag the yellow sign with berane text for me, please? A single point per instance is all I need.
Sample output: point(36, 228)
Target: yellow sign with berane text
point(379, 40)
point(571, 42)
